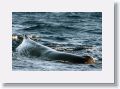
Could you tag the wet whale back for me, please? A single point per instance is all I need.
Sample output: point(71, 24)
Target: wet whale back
point(31, 48)
point(67, 57)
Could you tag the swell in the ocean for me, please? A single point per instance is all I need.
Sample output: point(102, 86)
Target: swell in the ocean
point(78, 33)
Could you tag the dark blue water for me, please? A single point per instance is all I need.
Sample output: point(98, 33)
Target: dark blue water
point(74, 32)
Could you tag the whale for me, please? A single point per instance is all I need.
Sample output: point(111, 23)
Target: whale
point(29, 47)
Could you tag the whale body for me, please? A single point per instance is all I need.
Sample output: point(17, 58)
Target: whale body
point(29, 47)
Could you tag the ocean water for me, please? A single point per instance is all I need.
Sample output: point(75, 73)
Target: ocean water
point(78, 33)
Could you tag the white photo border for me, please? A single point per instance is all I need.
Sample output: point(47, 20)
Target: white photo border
point(104, 76)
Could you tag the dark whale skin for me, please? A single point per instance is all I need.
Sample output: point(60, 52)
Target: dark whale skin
point(29, 48)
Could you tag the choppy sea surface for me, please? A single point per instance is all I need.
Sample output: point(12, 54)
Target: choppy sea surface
point(78, 33)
